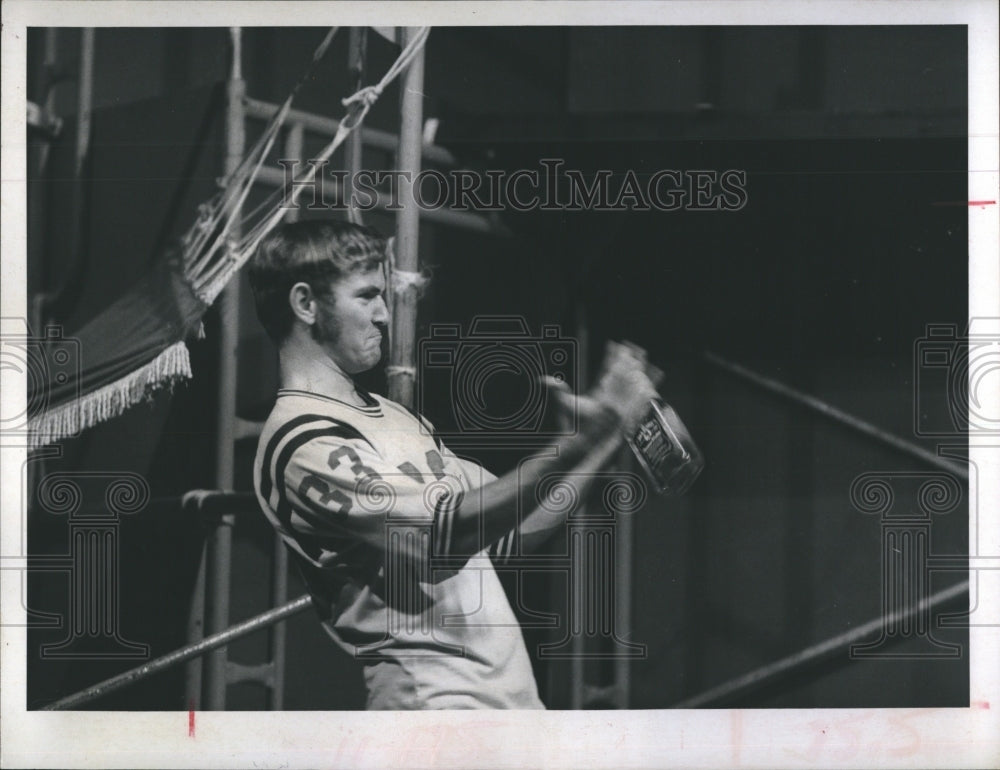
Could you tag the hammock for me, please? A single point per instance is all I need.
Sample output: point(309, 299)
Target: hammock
point(136, 346)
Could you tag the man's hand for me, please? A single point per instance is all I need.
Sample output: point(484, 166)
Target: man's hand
point(626, 383)
point(592, 419)
point(620, 398)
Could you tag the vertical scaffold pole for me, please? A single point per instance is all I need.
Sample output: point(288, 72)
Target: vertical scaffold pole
point(293, 151)
point(195, 633)
point(85, 99)
point(221, 541)
point(624, 561)
point(294, 142)
point(401, 372)
point(356, 64)
point(46, 86)
point(578, 664)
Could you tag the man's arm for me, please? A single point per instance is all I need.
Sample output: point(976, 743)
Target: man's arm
point(542, 521)
point(489, 514)
point(338, 491)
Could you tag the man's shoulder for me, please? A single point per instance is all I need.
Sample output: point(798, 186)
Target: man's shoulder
point(408, 415)
point(300, 405)
point(300, 418)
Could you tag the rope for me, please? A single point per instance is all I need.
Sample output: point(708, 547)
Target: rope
point(354, 214)
point(404, 280)
point(217, 216)
point(399, 281)
point(358, 105)
point(368, 95)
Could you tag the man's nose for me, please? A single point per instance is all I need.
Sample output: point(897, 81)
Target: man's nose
point(381, 313)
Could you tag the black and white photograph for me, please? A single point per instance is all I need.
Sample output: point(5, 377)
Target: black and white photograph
point(628, 371)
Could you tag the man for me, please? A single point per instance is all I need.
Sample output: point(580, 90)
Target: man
point(393, 532)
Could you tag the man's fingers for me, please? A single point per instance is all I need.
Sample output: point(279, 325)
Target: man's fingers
point(560, 391)
point(618, 358)
point(635, 350)
point(655, 375)
point(628, 381)
point(554, 383)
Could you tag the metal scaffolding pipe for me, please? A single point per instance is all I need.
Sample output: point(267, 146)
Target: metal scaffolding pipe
point(177, 657)
point(401, 371)
point(843, 418)
point(578, 664)
point(85, 100)
point(46, 88)
point(208, 504)
point(356, 56)
point(461, 219)
point(202, 502)
point(624, 566)
point(293, 152)
point(799, 661)
point(278, 646)
point(215, 502)
point(221, 543)
point(373, 137)
point(51, 302)
point(196, 632)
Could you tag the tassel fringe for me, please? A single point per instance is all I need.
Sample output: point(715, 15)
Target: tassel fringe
point(111, 400)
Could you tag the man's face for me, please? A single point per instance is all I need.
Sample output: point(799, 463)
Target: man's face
point(351, 321)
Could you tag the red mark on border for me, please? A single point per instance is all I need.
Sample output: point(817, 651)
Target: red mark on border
point(736, 735)
point(190, 723)
point(981, 704)
point(964, 203)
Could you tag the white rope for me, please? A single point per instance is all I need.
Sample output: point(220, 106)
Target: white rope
point(404, 280)
point(354, 214)
point(370, 94)
point(398, 281)
point(229, 201)
point(358, 104)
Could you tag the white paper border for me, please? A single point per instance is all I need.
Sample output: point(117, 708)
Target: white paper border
point(904, 738)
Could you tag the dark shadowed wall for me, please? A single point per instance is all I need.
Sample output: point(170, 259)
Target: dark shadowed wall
point(849, 244)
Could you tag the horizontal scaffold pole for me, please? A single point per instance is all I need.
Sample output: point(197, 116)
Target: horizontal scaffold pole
point(799, 662)
point(837, 415)
point(443, 216)
point(176, 657)
point(321, 124)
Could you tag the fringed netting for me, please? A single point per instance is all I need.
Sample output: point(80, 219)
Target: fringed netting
point(111, 400)
point(212, 254)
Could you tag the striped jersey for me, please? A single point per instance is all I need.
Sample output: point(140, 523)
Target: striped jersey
point(364, 497)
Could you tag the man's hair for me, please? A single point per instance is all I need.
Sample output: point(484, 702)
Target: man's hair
point(318, 252)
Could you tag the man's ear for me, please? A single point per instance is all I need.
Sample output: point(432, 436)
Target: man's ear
point(303, 302)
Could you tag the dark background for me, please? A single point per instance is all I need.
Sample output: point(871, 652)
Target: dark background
point(853, 239)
